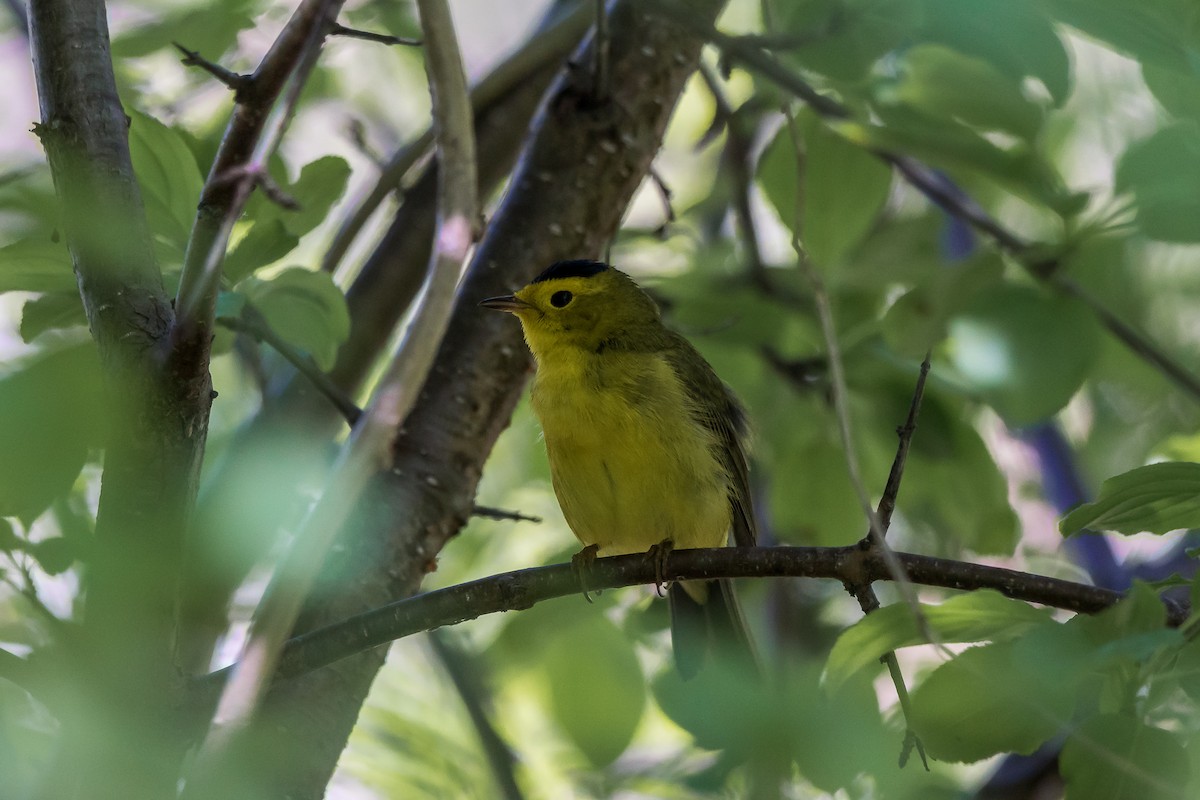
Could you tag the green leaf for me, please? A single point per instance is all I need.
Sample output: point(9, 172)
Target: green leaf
point(983, 615)
point(944, 82)
point(210, 30)
point(919, 318)
point(843, 38)
point(963, 491)
point(1156, 498)
point(167, 172)
point(51, 312)
point(9, 541)
point(303, 307)
point(266, 242)
point(777, 174)
point(1024, 351)
point(230, 304)
point(597, 690)
point(1186, 669)
point(1152, 31)
point(48, 417)
point(36, 265)
point(822, 509)
point(832, 737)
point(1014, 36)
point(54, 555)
point(319, 186)
point(1179, 93)
point(1117, 757)
point(951, 145)
point(28, 195)
point(1162, 172)
point(1139, 611)
point(987, 701)
point(844, 189)
point(29, 732)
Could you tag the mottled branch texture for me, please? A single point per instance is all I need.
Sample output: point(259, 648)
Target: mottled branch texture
point(582, 164)
point(521, 589)
point(157, 413)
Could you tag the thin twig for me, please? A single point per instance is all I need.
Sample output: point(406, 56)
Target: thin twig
point(459, 668)
point(489, 512)
point(194, 296)
point(664, 193)
point(381, 38)
point(864, 593)
point(253, 325)
point(736, 156)
point(521, 589)
point(887, 503)
point(875, 540)
point(240, 700)
point(246, 143)
point(234, 80)
point(356, 131)
point(601, 85)
point(257, 176)
point(841, 404)
point(1130, 336)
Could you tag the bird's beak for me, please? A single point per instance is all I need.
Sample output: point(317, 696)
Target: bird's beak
point(506, 302)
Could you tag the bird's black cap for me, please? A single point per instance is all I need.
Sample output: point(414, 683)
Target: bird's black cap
point(576, 268)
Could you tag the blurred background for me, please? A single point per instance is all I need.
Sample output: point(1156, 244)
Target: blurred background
point(1075, 129)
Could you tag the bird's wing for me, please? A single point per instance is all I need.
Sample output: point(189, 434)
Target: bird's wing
point(719, 411)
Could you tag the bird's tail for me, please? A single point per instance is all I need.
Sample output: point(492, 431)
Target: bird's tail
point(707, 626)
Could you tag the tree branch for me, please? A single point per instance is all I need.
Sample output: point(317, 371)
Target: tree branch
point(546, 48)
point(864, 593)
point(565, 200)
point(501, 514)
point(521, 589)
point(736, 157)
point(500, 757)
point(157, 416)
point(379, 38)
point(291, 56)
point(369, 444)
point(234, 80)
point(253, 325)
point(887, 503)
point(378, 297)
point(600, 48)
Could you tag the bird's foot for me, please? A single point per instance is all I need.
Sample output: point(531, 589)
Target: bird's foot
point(581, 565)
point(658, 556)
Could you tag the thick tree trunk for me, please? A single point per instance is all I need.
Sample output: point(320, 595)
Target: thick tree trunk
point(587, 157)
point(158, 411)
point(298, 418)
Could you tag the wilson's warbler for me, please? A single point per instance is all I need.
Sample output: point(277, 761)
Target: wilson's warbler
point(646, 444)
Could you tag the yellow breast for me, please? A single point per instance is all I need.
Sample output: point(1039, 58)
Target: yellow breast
point(630, 465)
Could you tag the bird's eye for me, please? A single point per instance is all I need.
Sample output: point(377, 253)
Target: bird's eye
point(560, 299)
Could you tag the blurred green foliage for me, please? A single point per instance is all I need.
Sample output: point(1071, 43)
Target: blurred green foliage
point(1072, 122)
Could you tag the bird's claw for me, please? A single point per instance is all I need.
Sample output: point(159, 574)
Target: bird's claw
point(581, 565)
point(658, 556)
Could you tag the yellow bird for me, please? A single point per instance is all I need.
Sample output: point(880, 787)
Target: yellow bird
point(647, 446)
